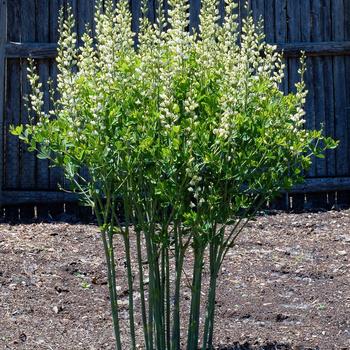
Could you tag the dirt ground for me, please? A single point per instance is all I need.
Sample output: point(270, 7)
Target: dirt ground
point(286, 285)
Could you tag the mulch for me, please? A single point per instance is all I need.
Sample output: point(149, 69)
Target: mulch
point(285, 285)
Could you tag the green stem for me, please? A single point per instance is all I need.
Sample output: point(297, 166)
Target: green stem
point(179, 258)
point(109, 254)
point(126, 237)
point(153, 290)
point(131, 292)
point(167, 298)
point(142, 290)
point(159, 302)
point(209, 320)
point(112, 289)
point(193, 327)
point(145, 228)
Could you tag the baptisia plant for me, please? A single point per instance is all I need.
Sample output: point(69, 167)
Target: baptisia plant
point(185, 134)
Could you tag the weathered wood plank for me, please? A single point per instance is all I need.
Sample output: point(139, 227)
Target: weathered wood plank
point(55, 7)
point(136, 14)
point(27, 159)
point(327, 48)
point(306, 23)
point(258, 10)
point(33, 50)
point(318, 86)
point(82, 19)
point(281, 33)
point(195, 7)
point(13, 101)
point(12, 117)
point(328, 88)
point(347, 69)
point(269, 25)
point(43, 35)
point(56, 174)
point(18, 197)
point(340, 83)
point(294, 35)
point(310, 186)
point(322, 185)
point(3, 38)
point(305, 36)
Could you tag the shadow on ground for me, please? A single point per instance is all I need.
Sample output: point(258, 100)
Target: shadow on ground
point(269, 346)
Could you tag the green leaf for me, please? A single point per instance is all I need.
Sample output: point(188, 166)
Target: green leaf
point(16, 131)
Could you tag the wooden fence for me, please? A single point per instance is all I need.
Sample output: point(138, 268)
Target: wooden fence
point(321, 28)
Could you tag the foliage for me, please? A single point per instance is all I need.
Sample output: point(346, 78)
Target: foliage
point(184, 134)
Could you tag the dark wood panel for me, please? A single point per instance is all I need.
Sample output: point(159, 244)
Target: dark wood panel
point(281, 32)
point(12, 117)
point(28, 34)
point(328, 87)
point(317, 89)
point(43, 36)
point(56, 174)
point(3, 38)
point(13, 100)
point(18, 197)
point(340, 86)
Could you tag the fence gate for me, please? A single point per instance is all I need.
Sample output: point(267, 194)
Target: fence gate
point(321, 28)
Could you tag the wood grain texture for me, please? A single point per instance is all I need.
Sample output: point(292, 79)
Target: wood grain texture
point(3, 39)
point(317, 95)
point(314, 49)
point(340, 86)
point(55, 174)
point(13, 101)
point(43, 35)
point(328, 87)
point(27, 161)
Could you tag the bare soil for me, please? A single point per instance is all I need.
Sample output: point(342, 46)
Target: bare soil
point(286, 285)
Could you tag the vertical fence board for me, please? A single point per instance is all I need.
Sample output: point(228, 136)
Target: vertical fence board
point(195, 7)
point(3, 37)
point(258, 10)
point(13, 101)
point(270, 24)
point(318, 108)
point(43, 35)
point(56, 174)
point(27, 159)
point(347, 73)
point(293, 13)
point(329, 88)
point(341, 123)
point(136, 14)
point(281, 33)
point(306, 21)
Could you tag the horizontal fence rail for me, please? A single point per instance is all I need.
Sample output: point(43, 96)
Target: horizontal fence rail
point(49, 50)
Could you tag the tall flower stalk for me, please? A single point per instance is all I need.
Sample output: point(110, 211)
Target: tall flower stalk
point(185, 135)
